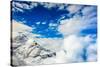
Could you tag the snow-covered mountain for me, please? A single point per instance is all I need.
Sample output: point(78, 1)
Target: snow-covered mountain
point(29, 50)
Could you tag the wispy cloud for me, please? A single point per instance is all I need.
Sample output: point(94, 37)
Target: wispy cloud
point(21, 6)
point(88, 10)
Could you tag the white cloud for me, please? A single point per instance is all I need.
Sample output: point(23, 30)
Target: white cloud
point(70, 26)
point(48, 5)
point(92, 52)
point(62, 6)
point(88, 10)
point(14, 8)
point(33, 4)
point(74, 8)
point(38, 23)
point(74, 47)
point(19, 6)
point(59, 6)
point(89, 38)
point(60, 57)
point(53, 24)
point(43, 22)
point(51, 43)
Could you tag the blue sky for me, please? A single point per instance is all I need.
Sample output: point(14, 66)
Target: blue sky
point(45, 18)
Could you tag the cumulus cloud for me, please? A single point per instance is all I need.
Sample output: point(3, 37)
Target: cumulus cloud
point(75, 45)
point(74, 49)
point(70, 26)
